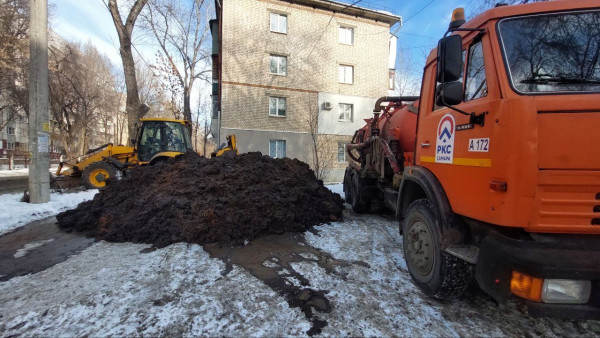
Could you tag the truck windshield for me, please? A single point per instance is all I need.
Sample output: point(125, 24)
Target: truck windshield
point(553, 52)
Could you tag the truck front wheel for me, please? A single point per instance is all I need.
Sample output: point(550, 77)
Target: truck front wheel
point(347, 185)
point(439, 274)
point(359, 203)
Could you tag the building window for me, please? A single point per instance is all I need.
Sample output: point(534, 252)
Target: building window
point(10, 146)
point(277, 106)
point(11, 130)
point(278, 65)
point(341, 152)
point(346, 35)
point(277, 148)
point(346, 74)
point(346, 112)
point(278, 23)
point(22, 132)
point(392, 79)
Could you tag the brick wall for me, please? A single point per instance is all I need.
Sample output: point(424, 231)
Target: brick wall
point(312, 50)
point(247, 107)
point(314, 53)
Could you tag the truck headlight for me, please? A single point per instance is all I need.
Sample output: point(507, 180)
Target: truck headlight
point(566, 291)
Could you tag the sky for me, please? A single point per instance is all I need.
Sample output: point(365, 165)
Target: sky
point(424, 23)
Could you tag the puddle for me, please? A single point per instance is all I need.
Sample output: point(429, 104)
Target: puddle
point(36, 247)
point(268, 258)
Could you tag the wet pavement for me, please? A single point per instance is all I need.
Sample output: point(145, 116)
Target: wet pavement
point(270, 257)
point(36, 247)
point(11, 185)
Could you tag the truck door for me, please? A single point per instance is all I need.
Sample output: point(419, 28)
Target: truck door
point(458, 152)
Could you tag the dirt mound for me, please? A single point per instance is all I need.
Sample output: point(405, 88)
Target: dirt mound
point(198, 200)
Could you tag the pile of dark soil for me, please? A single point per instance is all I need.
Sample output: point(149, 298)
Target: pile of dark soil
point(198, 200)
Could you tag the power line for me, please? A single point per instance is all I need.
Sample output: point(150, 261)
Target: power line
point(327, 26)
point(412, 16)
point(423, 36)
point(419, 11)
point(426, 46)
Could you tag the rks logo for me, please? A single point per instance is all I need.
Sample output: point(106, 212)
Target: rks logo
point(444, 147)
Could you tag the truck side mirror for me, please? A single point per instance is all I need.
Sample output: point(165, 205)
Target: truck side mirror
point(449, 67)
point(449, 94)
point(132, 142)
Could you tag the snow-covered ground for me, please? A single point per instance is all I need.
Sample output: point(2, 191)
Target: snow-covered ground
point(130, 289)
point(14, 172)
point(115, 289)
point(15, 214)
point(337, 188)
point(20, 172)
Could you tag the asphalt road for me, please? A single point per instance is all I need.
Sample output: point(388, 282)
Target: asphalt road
point(13, 184)
point(36, 247)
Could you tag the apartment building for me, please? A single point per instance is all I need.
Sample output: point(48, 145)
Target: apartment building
point(13, 140)
point(296, 78)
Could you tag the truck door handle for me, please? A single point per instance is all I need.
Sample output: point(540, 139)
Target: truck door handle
point(425, 145)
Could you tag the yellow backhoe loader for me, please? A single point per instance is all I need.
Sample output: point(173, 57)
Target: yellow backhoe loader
point(227, 149)
point(157, 139)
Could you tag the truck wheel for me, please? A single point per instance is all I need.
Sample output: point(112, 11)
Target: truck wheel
point(347, 185)
point(438, 274)
point(94, 176)
point(359, 203)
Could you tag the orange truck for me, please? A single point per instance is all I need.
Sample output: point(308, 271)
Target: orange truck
point(494, 170)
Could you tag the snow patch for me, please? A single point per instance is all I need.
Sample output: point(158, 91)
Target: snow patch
point(15, 214)
point(112, 289)
point(336, 188)
point(21, 172)
point(30, 246)
point(269, 264)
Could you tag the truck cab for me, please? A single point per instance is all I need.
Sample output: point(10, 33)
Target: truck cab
point(516, 149)
point(503, 182)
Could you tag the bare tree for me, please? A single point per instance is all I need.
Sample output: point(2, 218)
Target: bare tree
point(149, 86)
point(120, 114)
point(408, 77)
point(14, 59)
point(82, 95)
point(320, 144)
point(182, 32)
point(135, 110)
point(202, 124)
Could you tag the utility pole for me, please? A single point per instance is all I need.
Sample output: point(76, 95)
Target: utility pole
point(39, 176)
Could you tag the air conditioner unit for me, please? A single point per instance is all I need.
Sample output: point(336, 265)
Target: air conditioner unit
point(327, 105)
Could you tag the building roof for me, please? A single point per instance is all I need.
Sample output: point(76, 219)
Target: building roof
point(338, 7)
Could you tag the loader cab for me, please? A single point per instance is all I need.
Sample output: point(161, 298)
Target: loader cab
point(157, 137)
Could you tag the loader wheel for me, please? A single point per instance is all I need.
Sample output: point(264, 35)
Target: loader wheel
point(94, 176)
point(438, 274)
point(357, 199)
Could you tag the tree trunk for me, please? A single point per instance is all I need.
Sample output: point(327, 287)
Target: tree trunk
point(64, 139)
point(205, 137)
point(133, 99)
point(135, 110)
point(187, 110)
point(83, 145)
